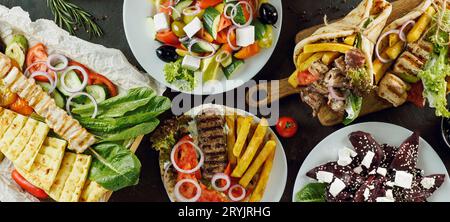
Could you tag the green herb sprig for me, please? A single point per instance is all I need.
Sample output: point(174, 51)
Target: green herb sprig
point(70, 16)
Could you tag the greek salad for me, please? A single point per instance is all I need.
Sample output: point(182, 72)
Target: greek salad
point(204, 40)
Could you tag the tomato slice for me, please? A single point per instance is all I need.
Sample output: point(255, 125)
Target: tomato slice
point(168, 38)
point(30, 188)
point(165, 7)
point(248, 51)
point(208, 3)
point(305, 78)
point(38, 53)
point(415, 94)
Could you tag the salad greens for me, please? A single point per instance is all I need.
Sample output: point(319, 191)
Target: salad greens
point(313, 192)
point(353, 108)
point(125, 116)
point(179, 76)
point(114, 166)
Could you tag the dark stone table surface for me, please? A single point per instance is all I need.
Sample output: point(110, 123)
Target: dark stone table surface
point(298, 14)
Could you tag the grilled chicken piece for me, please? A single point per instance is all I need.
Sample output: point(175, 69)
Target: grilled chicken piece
point(335, 78)
point(5, 65)
point(336, 105)
point(313, 99)
point(340, 64)
point(212, 141)
point(407, 154)
point(408, 63)
point(318, 87)
point(422, 50)
point(79, 139)
point(355, 59)
point(318, 68)
point(393, 89)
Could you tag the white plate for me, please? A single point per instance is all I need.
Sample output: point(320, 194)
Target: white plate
point(327, 150)
point(144, 48)
point(277, 179)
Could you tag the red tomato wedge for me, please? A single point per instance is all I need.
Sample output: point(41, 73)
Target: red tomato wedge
point(165, 8)
point(37, 53)
point(305, 78)
point(96, 79)
point(168, 38)
point(224, 23)
point(21, 106)
point(248, 51)
point(30, 188)
point(208, 3)
point(203, 34)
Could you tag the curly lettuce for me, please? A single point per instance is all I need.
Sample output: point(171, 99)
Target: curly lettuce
point(182, 78)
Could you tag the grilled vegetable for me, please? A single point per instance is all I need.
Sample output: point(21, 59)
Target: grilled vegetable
point(30, 188)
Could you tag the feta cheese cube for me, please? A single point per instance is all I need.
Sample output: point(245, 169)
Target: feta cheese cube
point(366, 194)
point(389, 194)
point(372, 172)
point(190, 62)
point(427, 182)
point(245, 36)
point(403, 179)
point(345, 156)
point(358, 170)
point(323, 176)
point(162, 22)
point(382, 171)
point(193, 27)
point(390, 184)
point(336, 187)
point(368, 158)
point(384, 199)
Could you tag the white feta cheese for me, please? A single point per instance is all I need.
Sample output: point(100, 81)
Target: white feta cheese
point(382, 171)
point(358, 169)
point(367, 161)
point(366, 194)
point(336, 187)
point(371, 187)
point(325, 177)
point(384, 199)
point(403, 179)
point(245, 36)
point(190, 62)
point(372, 172)
point(193, 27)
point(389, 194)
point(162, 22)
point(427, 182)
point(390, 184)
point(345, 156)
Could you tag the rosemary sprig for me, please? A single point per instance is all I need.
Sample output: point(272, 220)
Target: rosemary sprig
point(70, 17)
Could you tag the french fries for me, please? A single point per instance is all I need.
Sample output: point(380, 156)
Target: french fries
point(259, 161)
point(327, 47)
point(350, 40)
point(252, 148)
point(303, 57)
point(329, 57)
point(231, 137)
point(244, 129)
point(304, 66)
point(394, 51)
point(258, 192)
point(421, 25)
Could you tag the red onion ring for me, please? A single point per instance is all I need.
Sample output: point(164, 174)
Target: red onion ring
point(50, 79)
point(402, 29)
point(334, 94)
point(54, 59)
point(192, 10)
point(233, 198)
point(180, 197)
point(201, 57)
point(85, 79)
point(193, 170)
point(222, 56)
point(225, 10)
point(27, 70)
point(220, 176)
point(69, 100)
point(235, 48)
point(377, 46)
point(234, 12)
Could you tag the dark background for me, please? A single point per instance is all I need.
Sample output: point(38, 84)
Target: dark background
point(298, 14)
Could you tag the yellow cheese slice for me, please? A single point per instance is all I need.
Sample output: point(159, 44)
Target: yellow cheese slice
point(8, 138)
point(63, 173)
point(26, 158)
point(92, 192)
point(6, 118)
point(18, 146)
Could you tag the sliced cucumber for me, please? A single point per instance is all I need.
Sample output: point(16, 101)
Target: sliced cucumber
point(202, 47)
point(72, 81)
point(56, 95)
point(226, 62)
point(98, 92)
point(211, 20)
point(180, 7)
point(231, 69)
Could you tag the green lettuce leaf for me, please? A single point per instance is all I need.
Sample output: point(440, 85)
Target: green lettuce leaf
point(313, 192)
point(353, 108)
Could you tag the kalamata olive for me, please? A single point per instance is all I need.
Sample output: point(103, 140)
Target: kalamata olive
point(268, 14)
point(167, 53)
point(2, 46)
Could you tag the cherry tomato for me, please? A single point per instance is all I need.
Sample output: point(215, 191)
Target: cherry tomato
point(21, 106)
point(35, 54)
point(286, 127)
point(30, 188)
point(305, 78)
point(168, 38)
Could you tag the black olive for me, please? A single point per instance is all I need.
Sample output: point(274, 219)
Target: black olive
point(2, 46)
point(268, 14)
point(167, 53)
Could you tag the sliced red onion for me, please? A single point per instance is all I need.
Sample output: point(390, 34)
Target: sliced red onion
point(182, 198)
point(235, 48)
point(184, 39)
point(222, 56)
point(225, 10)
point(193, 170)
point(234, 13)
point(334, 94)
point(56, 59)
point(69, 101)
point(46, 75)
point(83, 84)
point(236, 199)
point(27, 70)
point(377, 46)
point(213, 50)
point(402, 29)
point(220, 176)
point(191, 10)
